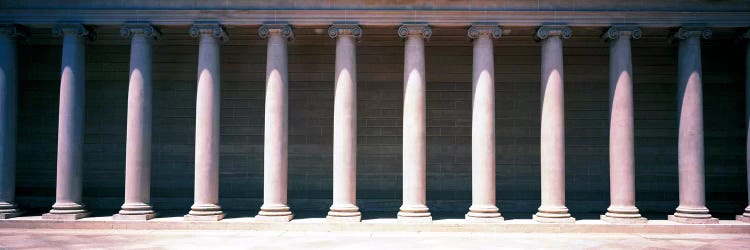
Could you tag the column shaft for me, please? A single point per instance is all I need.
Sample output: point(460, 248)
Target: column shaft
point(274, 206)
point(206, 204)
point(68, 203)
point(138, 145)
point(483, 208)
point(414, 136)
point(553, 207)
point(692, 208)
point(8, 118)
point(621, 130)
point(345, 128)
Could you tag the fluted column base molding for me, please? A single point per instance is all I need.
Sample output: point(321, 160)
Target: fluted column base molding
point(66, 211)
point(344, 213)
point(204, 212)
point(414, 214)
point(135, 212)
point(275, 213)
point(8, 210)
point(484, 214)
point(693, 216)
point(746, 216)
point(553, 215)
point(623, 215)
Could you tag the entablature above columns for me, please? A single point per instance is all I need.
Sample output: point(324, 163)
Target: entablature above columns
point(443, 18)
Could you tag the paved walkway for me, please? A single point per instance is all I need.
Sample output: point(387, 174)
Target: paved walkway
point(161, 239)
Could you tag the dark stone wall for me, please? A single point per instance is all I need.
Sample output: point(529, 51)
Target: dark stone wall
point(380, 83)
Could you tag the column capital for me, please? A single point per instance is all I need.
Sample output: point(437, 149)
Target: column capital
point(544, 32)
point(491, 30)
point(75, 29)
point(407, 29)
point(14, 30)
point(283, 29)
point(617, 31)
point(345, 29)
point(746, 34)
point(686, 32)
point(212, 29)
point(144, 29)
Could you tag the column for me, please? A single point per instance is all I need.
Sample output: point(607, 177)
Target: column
point(483, 208)
point(414, 208)
point(8, 116)
point(68, 205)
point(274, 208)
point(692, 208)
point(344, 206)
point(621, 128)
point(746, 216)
point(138, 146)
point(206, 205)
point(553, 126)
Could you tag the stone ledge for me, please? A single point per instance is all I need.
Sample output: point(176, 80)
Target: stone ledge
point(379, 225)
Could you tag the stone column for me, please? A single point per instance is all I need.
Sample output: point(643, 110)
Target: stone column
point(692, 208)
point(138, 146)
point(746, 216)
point(483, 208)
point(414, 208)
point(553, 126)
point(206, 205)
point(68, 205)
point(8, 116)
point(274, 208)
point(344, 206)
point(621, 128)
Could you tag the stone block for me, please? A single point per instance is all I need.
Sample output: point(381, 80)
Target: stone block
point(615, 220)
point(49, 216)
point(471, 219)
point(215, 217)
point(345, 219)
point(133, 216)
point(278, 218)
point(693, 220)
point(554, 220)
point(410, 219)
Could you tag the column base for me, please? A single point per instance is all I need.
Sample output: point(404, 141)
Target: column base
point(274, 213)
point(8, 210)
point(211, 217)
point(4, 216)
point(623, 220)
point(73, 216)
point(553, 214)
point(134, 216)
point(414, 214)
point(685, 220)
point(743, 218)
point(344, 213)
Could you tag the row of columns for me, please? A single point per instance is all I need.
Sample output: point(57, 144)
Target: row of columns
point(137, 206)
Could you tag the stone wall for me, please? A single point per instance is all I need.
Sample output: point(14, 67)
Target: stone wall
point(380, 73)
